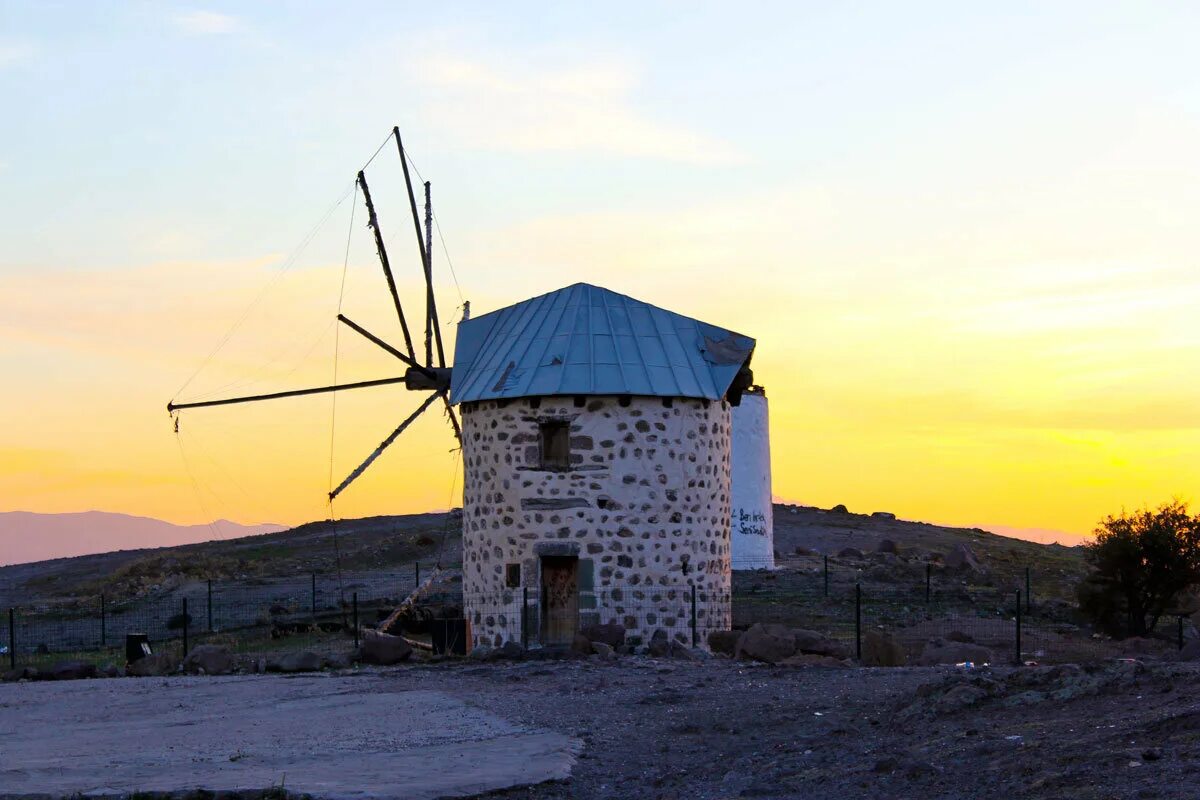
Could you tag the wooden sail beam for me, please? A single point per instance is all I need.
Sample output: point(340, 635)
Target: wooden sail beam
point(453, 419)
point(173, 407)
point(425, 246)
point(366, 334)
point(373, 221)
point(384, 445)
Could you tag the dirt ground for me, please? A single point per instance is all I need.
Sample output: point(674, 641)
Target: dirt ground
point(651, 728)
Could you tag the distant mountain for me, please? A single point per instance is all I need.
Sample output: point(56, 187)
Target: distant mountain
point(1039, 535)
point(26, 536)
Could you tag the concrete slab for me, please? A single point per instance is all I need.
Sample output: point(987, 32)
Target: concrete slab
point(331, 737)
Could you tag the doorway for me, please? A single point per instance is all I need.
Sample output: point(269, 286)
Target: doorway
point(560, 599)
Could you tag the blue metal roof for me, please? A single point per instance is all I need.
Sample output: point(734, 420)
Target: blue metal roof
point(585, 340)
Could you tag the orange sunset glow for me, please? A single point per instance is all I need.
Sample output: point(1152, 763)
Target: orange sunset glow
point(978, 312)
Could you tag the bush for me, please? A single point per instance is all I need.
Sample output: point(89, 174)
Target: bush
point(1143, 563)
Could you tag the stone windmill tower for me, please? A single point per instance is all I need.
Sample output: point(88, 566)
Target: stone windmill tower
point(596, 441)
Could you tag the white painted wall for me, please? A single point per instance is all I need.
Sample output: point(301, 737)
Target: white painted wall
point(751, 525)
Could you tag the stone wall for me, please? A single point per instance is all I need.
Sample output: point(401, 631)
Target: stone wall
point(644, 505)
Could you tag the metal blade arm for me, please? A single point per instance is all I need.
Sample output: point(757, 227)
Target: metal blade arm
point(373, 221)
point(384, 445)
point(172, 407)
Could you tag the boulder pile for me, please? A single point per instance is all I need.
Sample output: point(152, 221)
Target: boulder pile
point(779, 644)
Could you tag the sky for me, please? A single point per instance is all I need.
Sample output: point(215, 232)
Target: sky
point(963, 236)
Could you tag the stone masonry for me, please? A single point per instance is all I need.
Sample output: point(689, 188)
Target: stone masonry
point(644, 505)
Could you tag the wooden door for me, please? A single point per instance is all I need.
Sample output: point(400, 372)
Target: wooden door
point(560, 599)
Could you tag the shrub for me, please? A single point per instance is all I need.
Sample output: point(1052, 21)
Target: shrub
point(1142, 563)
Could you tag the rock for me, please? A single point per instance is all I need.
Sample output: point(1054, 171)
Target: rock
point(724, 642)
point(611, 634)
point(1190, 651)
point(512, 651)
point(814, 643)
point(20, 674)
point(659, 645)
point(850, 552)
point(152, 666)
point(811, 660)
point(581, 645)
point(769, 643)
point(963, 557)
point(383, 649)
point(883, 515)
point(880, 649)
point(805, 551)
point(303, 661)
point(340, 660)
point(603, 650)
point(211, 658)
point(839, 509)
point(959, 636)
point(887, 546)
point(960, 697)
point(112, 671)
point(682, 652)
point(940, 651)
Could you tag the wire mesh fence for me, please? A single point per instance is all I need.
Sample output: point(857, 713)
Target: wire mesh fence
point(264, 616)
point(318, 612)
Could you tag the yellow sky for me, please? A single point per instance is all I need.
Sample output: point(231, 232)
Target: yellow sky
point(1033, 395)
point(965, 241)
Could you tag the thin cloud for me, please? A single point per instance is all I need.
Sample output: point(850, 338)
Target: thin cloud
point(207, 22)
point(555, 107)
point(14, 53)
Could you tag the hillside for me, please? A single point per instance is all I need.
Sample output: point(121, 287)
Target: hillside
point(390, 544)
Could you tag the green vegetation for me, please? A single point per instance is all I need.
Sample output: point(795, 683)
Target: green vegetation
point(1143, 562)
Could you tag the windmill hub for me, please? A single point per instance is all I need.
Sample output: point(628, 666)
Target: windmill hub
point(427, 378)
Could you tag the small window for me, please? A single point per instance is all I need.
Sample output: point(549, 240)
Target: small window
point(512, 575)
point(556, 444)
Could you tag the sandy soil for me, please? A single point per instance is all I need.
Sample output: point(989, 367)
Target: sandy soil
point(717, 729)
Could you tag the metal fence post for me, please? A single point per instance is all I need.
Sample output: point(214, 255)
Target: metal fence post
point(1018, 654)
point(1180, 631)
point(103, 623)
point(525, 617)
point(12, 638)
point(313, 596)
point(354, 602)
point(827, 576)
point(185, 628)
point(210, 625)
point(416, 574)
point(928, 583)
point(695, 633)
point(858, 621)
point(1028, 591)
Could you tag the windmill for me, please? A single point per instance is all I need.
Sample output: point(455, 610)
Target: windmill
point(423, 377)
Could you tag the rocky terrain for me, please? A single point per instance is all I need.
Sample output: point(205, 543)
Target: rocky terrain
point(667, 728)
